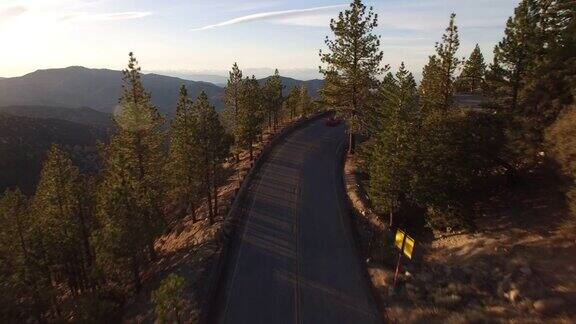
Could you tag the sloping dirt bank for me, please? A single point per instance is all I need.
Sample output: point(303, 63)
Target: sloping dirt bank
point(518, 267)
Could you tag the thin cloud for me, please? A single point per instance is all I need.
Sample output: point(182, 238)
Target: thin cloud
point(273, 16)
point(107, 16)
point(11, 12)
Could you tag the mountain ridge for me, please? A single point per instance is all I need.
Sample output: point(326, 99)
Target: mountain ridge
point(99, 89)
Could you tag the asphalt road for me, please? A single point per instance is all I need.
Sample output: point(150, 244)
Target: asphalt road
point(295, 260)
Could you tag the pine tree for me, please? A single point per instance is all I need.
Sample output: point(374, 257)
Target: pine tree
point(250, 114)
point(292, 102)
point(437, 86)
point(222, 142)
point(513, 55)
point(25, 284)
point(471, 78)
point(131, 194)
point(533, 72)
point(214, 147)
point(304, 102)
point(352, 65)
point(375, 119)
point(63, 221)
point(395, 148)
point(273, 98)
point(184, 155)
point(169, 300)
point(430, 86)
point(232, 99)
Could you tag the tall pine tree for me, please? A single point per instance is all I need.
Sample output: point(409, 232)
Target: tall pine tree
point(437, 86)
point(64, 221)
point(514, 55)
point(472, 77)
point(185, 155)
point(292, 102)
point(131, 194)
point(25, 281)
point(352, 66)
point(214, 146)
point(250, 119)
point(533, 72)
point(305, 102)
point(232, 95)
point(273, 98)
point(396, 143)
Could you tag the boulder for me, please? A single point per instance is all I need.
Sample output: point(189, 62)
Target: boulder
point(410, 286)
point(460, 275)
point(449, 301)
point(503, 286)
point(424, 276)
point(513, 296)
point(549, 305)
point(498, 311)
point(525, 305)
point(526, 270)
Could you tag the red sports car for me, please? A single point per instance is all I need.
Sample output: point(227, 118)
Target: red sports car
point(333, 121)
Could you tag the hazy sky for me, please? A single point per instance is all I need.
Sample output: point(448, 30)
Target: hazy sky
point(208, 36)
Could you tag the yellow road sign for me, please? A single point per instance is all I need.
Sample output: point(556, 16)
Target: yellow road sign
point(399, 239)
point(409, 246)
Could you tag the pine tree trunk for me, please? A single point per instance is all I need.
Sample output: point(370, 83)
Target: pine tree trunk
point(209, 198)
point(215, 200)
point(251, 149)
point(38, 309)
point(215, 187)
point(136, 274)
point(53, 301)
point(351, 143)
point(85, 239)
point(152, 250)
point(192, 207)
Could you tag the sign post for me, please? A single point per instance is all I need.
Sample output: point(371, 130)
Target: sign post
point(405, 245)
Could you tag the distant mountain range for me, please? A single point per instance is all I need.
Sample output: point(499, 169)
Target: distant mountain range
point(99, 89)
point(219, 80)
point(313, 86)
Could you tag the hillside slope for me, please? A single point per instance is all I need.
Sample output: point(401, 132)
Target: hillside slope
point(24, 142)
point(83, 115)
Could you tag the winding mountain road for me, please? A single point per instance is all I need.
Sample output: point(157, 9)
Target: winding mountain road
point(295, 259)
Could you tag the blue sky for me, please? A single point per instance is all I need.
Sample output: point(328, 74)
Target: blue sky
point(191, 36)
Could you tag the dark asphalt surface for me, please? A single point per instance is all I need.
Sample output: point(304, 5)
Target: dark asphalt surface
point(295, 259)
